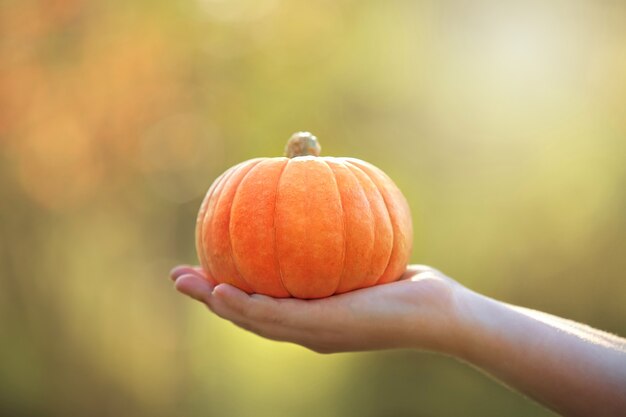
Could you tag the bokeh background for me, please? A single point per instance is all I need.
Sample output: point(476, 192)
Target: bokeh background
point(503, 122)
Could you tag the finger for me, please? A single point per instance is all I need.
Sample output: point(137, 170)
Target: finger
point(422, 276)
point(233, 304)
point(230, 303)
point(261, 310)
point(265, 316)
point(180, 270)
point(239, 306)
point(231, 296)
point(195, 287)
point(413, 270)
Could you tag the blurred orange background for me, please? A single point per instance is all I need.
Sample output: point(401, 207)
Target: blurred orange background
point(504, 123)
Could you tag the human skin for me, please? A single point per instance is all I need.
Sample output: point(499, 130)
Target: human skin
point(569, 367)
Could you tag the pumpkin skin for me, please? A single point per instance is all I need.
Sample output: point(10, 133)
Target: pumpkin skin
point(304, 227)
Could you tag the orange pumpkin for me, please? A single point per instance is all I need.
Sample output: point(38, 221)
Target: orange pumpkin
point(303, 226)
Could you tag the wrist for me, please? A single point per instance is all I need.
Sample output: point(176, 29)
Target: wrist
point(462, 321)
point(479, 324)
point(439, 321)
point(460, 333)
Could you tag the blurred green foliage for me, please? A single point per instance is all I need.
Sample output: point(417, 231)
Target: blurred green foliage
point(503, 122)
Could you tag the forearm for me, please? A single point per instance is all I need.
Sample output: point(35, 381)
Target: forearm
point(569, 367)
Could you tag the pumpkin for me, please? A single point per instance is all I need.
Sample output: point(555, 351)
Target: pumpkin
point(303, 226)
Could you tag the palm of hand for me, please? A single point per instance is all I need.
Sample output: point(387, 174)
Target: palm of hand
point(416, 311)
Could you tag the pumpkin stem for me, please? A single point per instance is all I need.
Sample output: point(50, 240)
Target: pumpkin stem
point(302, 144)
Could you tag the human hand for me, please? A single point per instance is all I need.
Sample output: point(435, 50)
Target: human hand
point(418, 311)
point(571, 368)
